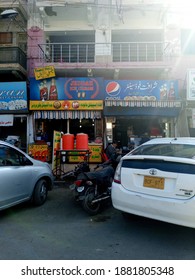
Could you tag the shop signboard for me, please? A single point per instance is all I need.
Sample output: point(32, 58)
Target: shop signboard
point(6, 120)
point(95, 154)
point(13, 97)
point(141, 90)
point(40, 152)
point(66, 94)
point(191, 84)
point(44, 72)
point(67, 105)
point(56, 147)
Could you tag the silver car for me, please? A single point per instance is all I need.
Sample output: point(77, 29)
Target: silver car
point(22, 177)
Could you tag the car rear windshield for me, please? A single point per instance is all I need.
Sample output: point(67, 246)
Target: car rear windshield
point(171, 150)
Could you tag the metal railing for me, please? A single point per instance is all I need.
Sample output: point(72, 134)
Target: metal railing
point(119, 52)
point(147, 51)
point(13, 55)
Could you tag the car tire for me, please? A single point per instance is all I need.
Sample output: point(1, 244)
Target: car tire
point(40, 192)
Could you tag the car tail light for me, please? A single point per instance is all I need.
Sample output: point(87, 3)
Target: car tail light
point(117, 175)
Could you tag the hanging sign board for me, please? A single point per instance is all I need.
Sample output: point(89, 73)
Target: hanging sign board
point(44, 72)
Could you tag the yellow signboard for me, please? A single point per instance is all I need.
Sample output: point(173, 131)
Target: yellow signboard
point(66, 105)
point(95, 155)
point(44, 72)
point(56, 146)
point(40, 151)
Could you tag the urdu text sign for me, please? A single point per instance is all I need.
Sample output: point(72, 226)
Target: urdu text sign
point(44, 72)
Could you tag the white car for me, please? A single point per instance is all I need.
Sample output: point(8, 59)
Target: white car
point(22, 177)
point(157, 180)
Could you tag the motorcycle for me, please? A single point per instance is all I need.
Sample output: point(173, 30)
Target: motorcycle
point(70, 174)
point(93, 188)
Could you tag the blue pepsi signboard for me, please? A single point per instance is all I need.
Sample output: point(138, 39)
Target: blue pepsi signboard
point(141, 90)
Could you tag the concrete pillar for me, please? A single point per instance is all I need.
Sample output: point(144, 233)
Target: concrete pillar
point(103, 38)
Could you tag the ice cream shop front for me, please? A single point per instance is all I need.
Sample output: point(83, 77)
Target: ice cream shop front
point(64, 109)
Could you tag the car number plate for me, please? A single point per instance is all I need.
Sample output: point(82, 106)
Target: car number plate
point(154, 182)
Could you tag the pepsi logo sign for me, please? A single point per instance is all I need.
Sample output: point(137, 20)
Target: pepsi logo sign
point(113, 88)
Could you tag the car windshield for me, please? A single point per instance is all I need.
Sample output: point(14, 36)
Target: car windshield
point(172, 150)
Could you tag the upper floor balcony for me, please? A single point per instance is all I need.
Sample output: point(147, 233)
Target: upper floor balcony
point(98, 55)
point(13, 62)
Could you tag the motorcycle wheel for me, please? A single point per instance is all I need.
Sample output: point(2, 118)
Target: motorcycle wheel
point(90, 208)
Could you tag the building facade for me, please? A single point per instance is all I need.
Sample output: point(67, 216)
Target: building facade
point(136, 57)
point(14, 94)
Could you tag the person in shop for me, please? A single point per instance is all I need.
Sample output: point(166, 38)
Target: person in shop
point(112, 152)
point(144, 138)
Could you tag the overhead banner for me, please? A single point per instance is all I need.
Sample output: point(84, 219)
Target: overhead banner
point(66, 94)
point(66, 89)
point(141, 90)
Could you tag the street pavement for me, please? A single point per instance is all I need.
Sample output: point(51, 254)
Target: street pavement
point(61, 230)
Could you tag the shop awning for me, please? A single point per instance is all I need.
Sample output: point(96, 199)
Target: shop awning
point(124, 111)
point(141, 103)
point(141, 108)
point(67, 115)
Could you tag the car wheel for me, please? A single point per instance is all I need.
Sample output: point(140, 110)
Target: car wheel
point(40, 192)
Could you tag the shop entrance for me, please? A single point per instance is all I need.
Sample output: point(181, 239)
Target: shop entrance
point(127, 129)
point(45, 128)
point(19, 128)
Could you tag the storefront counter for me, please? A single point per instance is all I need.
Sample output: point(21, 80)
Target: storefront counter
point(40, 151)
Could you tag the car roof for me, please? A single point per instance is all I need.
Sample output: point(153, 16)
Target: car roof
point(6, 143)
point(172, 140)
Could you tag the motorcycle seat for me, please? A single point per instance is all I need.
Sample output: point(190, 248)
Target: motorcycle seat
point(99, 175)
